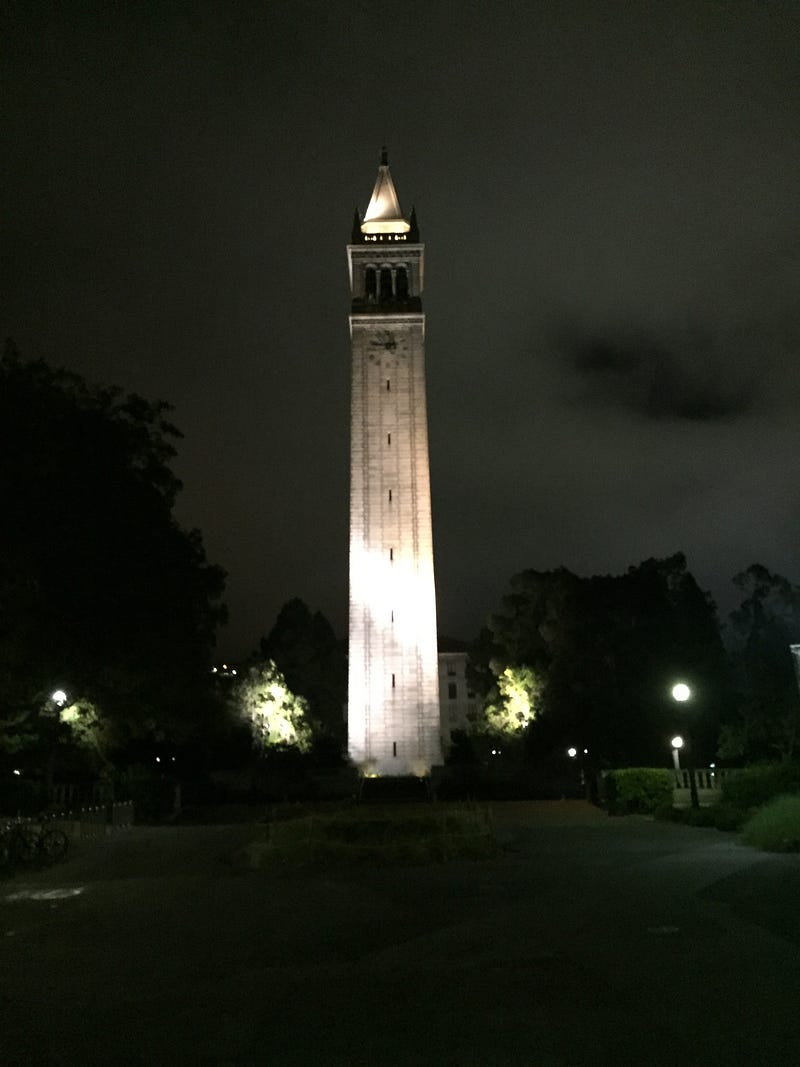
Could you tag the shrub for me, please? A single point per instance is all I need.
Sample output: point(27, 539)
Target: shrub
point(667, 813)
point(754, 786)
point(776, 826)
point(699, 817)
point(153, 798)
point(20, 796)
point(382, 836)
point(723, 816)
point(727, 816)
point(641, 790)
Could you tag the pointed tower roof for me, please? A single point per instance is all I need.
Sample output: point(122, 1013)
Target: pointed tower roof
point(383, 214)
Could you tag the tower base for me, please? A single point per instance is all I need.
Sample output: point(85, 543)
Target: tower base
point(404, 789)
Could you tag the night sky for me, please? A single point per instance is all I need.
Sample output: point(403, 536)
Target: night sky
point(609, 198)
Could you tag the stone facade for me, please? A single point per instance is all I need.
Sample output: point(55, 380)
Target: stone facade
point(458, 703)
point(393, 689)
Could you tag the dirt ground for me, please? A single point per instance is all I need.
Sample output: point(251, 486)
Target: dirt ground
point(587, 940)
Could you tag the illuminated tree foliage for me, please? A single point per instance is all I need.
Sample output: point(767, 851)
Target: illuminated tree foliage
point(278, 718)
point(75, 738)
point(85, 728)
point(513, 702)
point(607, 649)
point(314, 663)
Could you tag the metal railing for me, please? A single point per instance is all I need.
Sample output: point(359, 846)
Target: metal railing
point(708, 782)
point(93, 821)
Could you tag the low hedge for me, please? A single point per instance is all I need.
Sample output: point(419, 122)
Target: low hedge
point(637, 790)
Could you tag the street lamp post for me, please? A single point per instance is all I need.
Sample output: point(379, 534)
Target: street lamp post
point(588, 776)
point(59, 699)
point(681, 693)
point(677, 745)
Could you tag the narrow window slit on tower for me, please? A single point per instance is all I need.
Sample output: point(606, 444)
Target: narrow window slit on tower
point(390, 496)
point(388, 439)
point(392, 681)
point(391, 553)
point(392, 616)
point(388, 386)
point(394, 748)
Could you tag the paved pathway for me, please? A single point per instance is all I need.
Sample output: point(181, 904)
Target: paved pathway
point(588, 941)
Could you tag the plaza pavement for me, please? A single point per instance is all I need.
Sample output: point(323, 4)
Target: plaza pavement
point(588, 940)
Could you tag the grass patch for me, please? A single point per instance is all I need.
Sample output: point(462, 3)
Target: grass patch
point(776, 826)
point(379, 836)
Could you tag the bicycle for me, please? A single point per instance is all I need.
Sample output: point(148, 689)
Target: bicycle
point(30, 844)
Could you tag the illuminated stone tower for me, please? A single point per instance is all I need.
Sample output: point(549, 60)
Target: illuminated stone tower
point(393, 689)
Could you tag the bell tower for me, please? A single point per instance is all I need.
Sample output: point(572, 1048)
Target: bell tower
point(393, 689)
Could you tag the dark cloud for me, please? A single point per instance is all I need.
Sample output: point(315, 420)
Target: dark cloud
point(181, 182)
point(688, 381)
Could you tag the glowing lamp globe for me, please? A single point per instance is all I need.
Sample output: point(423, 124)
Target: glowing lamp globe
point(681, 692)
point(677, 742)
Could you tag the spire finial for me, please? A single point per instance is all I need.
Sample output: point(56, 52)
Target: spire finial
point(384, 156)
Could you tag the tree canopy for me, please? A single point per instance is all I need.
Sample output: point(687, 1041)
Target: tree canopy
point(313, 661)
point(607, 649)
point(102, 593)
point(766, 623)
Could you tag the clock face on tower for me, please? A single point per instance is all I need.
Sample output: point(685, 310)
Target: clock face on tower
point(387, 342)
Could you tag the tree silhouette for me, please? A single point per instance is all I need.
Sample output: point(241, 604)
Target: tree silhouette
point(102, 593)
